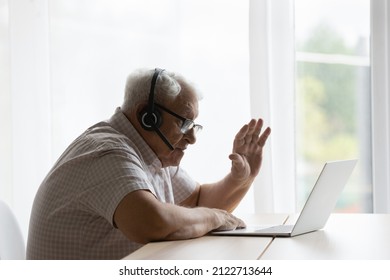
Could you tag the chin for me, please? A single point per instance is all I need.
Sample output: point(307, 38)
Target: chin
point(173, 159)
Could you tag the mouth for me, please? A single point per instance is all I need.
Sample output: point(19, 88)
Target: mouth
point(181, 148)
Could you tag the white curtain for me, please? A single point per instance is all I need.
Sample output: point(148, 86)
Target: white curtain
point(26, 153)
point(272, 97)
point(64, 64)
point(380, 94)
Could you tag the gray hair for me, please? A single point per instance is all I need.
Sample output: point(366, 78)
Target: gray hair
point(168, 86)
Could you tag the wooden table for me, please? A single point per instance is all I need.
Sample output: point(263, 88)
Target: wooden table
point(212, 247)
point(345, 236)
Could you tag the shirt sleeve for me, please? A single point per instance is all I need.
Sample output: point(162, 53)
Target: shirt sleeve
point(113, 176)
point(182, 184)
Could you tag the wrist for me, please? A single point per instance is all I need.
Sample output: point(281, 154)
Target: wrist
point(243, 182)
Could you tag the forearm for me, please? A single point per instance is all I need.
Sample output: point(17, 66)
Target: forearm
point(185, 223)
point(225, 194)
point(142, 218)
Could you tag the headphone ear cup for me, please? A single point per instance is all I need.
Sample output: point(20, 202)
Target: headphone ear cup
point(150, 121)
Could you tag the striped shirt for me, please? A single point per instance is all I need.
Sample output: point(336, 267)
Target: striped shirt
point(72, 215)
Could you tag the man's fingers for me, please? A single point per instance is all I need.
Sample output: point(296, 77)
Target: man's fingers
point(238, 162)
point(231, 222)
point(252, 128)
point(251, 133)
point(263, 137)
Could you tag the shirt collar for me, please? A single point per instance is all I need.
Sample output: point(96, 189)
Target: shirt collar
point(120, 123)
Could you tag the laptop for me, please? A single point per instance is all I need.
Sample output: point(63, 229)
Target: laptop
point(317, 209)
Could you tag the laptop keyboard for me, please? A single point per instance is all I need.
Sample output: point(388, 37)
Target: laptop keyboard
point(280, 228)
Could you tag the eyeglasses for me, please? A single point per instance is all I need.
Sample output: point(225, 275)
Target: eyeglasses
point(187, 123)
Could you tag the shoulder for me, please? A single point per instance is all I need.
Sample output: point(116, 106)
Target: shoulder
point(102, 138)
point(98, 142)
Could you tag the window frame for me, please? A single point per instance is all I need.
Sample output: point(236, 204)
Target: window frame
point(380, 85)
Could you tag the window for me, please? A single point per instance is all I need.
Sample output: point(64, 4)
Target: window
point(333, 95)
point(5, 105)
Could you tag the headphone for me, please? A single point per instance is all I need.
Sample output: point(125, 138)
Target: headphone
point(150, 117)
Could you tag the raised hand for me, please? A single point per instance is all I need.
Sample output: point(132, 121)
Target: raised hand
point(247, 151)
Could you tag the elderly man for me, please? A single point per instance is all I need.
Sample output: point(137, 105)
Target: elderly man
point(119, 185)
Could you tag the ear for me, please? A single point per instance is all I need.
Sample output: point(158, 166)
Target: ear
point(149, 120)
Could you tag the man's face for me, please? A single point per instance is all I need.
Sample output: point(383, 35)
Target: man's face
point(185, 105)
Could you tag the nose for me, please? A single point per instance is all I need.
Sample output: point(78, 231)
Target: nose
point(190, 136)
